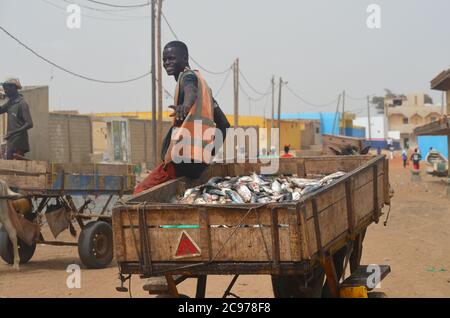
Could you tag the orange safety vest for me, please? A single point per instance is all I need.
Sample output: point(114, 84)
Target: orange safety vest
point(202, 110)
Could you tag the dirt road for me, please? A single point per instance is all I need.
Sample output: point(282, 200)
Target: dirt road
point(415, 244)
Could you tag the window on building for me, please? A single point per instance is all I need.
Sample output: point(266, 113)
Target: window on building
point(433, 118)
point(397, 102)
point(317, 130)
point(405, 120)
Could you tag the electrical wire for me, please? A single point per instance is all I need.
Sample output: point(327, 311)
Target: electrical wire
point(355, 98)
point(97, 9)
point(190, 57)
point(249, 85)
point(68, 71)
point(250, 97)
point(121, 6)
point(87, 15)
point(309, 103)
point(223, 84)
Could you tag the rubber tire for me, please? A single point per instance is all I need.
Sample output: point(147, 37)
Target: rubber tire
point(377, 295)
point(26, 251)
point(86, 245)
point(292, 286)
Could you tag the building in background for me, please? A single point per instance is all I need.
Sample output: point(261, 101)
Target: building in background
point(405, 113)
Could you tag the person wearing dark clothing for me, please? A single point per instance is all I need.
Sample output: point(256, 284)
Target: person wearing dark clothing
point(415, 158)
point(19, 120)
point(193, 102)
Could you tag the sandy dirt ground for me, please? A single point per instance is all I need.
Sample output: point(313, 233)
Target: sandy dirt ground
point(415, 243)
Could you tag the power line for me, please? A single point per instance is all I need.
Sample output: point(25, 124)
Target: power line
point(252, 98)
point(121, 6)
point(309, 103)
point(355, 98)
point(249, 85)
point(190, 57)
point(68, 71)
point(88, 16)
point(223, 84)
point(97, 9)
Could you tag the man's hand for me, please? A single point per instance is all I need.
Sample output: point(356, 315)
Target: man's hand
point(7, 136)
point(180, 112)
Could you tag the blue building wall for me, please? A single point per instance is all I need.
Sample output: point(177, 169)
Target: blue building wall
point(438, 143)
point(357, 132)
point(327, 120)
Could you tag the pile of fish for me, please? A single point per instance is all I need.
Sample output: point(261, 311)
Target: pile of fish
point(254, 189)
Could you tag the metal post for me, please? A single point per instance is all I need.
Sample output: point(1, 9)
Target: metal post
point(154, 135)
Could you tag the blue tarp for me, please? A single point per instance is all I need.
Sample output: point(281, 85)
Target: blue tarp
point(438, 143)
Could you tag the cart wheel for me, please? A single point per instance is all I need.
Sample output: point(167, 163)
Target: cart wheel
point(95, 245)
point(26, 251)
point(376, 295)
point(292, 286)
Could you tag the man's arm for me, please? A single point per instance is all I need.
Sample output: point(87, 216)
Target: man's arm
point(27, 121)
point(190, 90)
point(4, 108)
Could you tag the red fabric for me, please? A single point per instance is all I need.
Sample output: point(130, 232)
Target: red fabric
point(287, 155)
point(158, 175)
point(416, 165)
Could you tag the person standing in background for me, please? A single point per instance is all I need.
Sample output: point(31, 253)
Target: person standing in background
point(404, 158)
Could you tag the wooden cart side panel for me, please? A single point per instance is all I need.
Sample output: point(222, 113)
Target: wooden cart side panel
point(162, 192)
point(328, 165)
point(119, 242)
point(157, 217)
point(24, 174)
point(249, 244)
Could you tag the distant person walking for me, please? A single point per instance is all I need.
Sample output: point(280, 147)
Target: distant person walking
point(379, 150)
point(391, 151)
point(286, 152)
point(415, 158)
point(404, 158)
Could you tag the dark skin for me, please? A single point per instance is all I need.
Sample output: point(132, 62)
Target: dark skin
point(12, 92)
point(175, 62)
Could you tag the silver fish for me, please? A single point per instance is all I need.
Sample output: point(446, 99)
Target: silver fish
point(331, 177)
point(234, 196)
point(244, 192)
point(245, 179)
point(296, 196)
point(199, 201)
point(276, 186)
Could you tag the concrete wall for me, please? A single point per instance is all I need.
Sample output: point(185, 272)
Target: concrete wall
point(70, 138)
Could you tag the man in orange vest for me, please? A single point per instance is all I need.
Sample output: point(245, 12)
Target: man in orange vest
point(193, 104)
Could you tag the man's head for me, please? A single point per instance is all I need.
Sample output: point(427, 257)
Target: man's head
point(11, 87)
point(175, 58)
point(286, 148)
point(415, 150)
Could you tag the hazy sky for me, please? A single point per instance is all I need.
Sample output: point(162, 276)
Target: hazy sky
point(320, 47)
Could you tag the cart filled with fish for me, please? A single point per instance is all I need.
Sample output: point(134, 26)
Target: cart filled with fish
point(303, 225)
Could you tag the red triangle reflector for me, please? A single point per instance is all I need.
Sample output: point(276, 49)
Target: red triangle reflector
point(186, 247)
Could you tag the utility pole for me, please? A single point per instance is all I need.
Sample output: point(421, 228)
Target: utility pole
point(368, 117)
point(272, 119)
point(279, 103)
point(236, 92)
point(153, 56)
point(443, 103)
point(343, 113)
point(160, 83)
